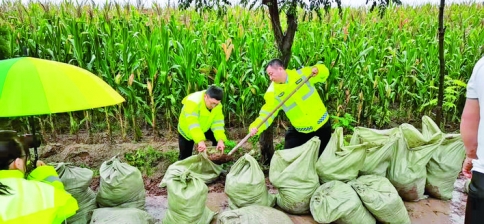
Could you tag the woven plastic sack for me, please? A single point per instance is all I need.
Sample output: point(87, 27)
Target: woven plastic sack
point(381, 146)
point(187, 195)
point(337, 202)
point(76, 181)
point(444, 167)
point(254, 214)
point(408, 170)
point(340, 162)
point(245, 184)
point(121, 185)
point(293, 172)
point(121, 216)
point(381, 199)
point(199, 164)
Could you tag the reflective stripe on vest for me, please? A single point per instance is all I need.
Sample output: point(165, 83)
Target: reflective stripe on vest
point(310, 128)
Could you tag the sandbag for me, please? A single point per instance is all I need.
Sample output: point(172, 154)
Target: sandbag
point(245, 184)
point(199, 164)
point(337, 202)
point(121, 185)
point(121, 216)
point(340, 162)
point(408, 166)
point(381, 199)
point(293, 172)
point(381, 146)
point(76, 181)
point(444, 167)
point(254, 214)
point(187, 195)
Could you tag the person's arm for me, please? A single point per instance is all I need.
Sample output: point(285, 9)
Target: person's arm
point(270, 104)
point(46, 174)
point(469, 126)
point(191, 114)
point(218, 124)
point(320, 77)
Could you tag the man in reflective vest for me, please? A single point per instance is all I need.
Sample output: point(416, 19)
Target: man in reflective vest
point(305, 109)
point(201, 119)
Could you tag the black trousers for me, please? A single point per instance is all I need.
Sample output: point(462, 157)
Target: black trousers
point(294, 138)
point(475, 199)
point(186, 146)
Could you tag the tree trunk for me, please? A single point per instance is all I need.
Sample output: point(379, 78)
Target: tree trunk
point(440, 99)
point(284, 44)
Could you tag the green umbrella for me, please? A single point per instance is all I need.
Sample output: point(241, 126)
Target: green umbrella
point(32, 86)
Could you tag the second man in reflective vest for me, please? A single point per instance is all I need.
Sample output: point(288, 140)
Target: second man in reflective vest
point(201, 119)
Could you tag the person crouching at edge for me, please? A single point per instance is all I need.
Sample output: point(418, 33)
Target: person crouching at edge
point(40, 198)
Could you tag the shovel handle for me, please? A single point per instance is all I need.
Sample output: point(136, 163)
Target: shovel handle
point(270, 114)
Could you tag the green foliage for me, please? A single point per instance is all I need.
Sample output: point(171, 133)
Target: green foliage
point(347, 122)
point(147, 158)
point(154, 58)
point(4, 42)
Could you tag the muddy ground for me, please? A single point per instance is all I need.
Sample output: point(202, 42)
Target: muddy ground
point(75, 150)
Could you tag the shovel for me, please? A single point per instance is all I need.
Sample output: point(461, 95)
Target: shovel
point(223, 158)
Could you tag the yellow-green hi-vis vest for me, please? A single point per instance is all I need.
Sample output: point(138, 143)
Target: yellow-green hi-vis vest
point(195, 119)
point(305, 109)
point(40, 201)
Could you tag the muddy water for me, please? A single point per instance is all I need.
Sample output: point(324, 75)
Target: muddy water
point(422, 212)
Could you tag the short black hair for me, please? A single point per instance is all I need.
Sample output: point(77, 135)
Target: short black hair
point(276, 62)
point(215, 92)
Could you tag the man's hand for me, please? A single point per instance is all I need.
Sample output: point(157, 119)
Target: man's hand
point(40, 163)
point(314, 71)
point(253, 131)
point(466, 167)
point(221, 145)
point(201, 146)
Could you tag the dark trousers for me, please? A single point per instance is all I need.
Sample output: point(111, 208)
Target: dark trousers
point(475, 199)
point(186, 146)
point(294, 138)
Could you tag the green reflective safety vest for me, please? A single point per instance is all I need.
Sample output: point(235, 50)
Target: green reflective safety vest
point(305, 109)
point(195, 119)
point(33, 201)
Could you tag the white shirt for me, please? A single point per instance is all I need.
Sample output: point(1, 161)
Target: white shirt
point(475, 90)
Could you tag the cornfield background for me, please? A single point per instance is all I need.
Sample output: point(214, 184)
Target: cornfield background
point(382, 69)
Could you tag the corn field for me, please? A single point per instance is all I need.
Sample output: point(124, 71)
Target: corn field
point(382, 69)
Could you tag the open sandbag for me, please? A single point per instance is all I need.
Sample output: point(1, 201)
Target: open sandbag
point(293, 172)
point(444, 167)
point(187, 195)
point(121, 216)
point(381, 146)
point(408, 167)
point(200, 165)
point(121, 185)
point(381, 199)
point(245, 184)
point(254, 214)
point(340, 162)
point(337, 202)
point(76, 181)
